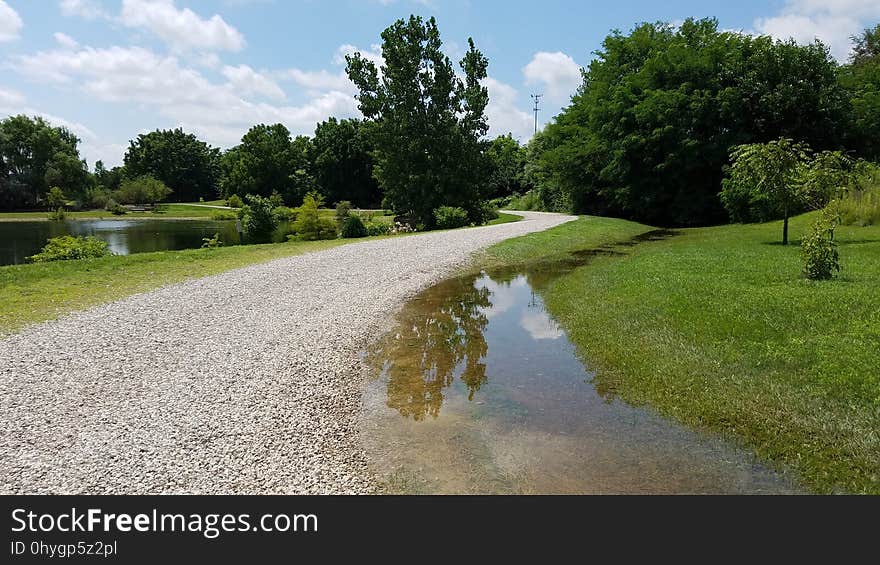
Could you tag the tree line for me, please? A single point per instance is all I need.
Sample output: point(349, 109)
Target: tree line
point(647, 136)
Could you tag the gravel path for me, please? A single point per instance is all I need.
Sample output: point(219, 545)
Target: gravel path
point(244, 382)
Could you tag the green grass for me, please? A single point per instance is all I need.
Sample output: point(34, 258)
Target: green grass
point(504, 219)
point(43, 291)
point(174, 211)
point(717, 329)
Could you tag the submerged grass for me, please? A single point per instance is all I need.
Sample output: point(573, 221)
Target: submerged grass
point(717, 329)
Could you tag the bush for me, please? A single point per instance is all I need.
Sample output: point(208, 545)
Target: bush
point(309, 224)
point(284, 214)
point(234, 201)
point(222, 215)
point(353, 227)
point(450, 217)
point(57, 215)
point(116, 208)
point(484, 212)
point(377, 228)
point(531, 200)
point(276, 200)
point(259, 221)
point(142, 190)
point(68, 247)
point(212, 242)
point(98, 198)
point(55, 198)
point(861, 205)
point(819, 252)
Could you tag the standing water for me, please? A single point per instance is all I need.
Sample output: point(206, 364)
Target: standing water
point(480, 391)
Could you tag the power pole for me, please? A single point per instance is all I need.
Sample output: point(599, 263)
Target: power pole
point(536, 98)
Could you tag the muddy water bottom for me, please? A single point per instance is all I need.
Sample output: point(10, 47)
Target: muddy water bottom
point(480, 391)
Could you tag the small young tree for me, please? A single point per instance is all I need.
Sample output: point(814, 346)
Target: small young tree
point(309, 224)
point(766, 174)
point(55, 198)
point(142, 190)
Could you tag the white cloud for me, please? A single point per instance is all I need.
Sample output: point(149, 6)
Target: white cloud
point(504, 113)
point(65, 40)
point(559, 75)
point(540, 326)
point(88, 9)
point(182, 29)
point(219, 112)
point(374, 54)
point(832, 21)
point(10, 99)
point(10, 22)
point(321, 80)
point(248, 81)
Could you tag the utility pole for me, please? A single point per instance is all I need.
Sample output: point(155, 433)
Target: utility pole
point(536, 98)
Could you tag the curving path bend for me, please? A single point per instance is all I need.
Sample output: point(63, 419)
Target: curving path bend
point(243, 382)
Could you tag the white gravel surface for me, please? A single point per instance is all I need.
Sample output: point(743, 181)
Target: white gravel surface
point(244, 382)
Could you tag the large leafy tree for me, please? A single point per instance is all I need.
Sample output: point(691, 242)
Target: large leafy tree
point(187, 165)
point(861, 78)
point(507, 162)
point(428, 121)
point(267, 161)
point(340, 161)
point(649, 132)
point(34, 156)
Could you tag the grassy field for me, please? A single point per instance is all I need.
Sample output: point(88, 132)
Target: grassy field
point(717, 329)
point(174, 211)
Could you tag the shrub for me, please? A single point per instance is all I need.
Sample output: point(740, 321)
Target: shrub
point(142, 190)
point(450, 217)
point(160, 209)
point(259, 221)
point(284, 214)
point(531, 200)
point(68, 247)
point(234, 201)
point(98, 197)
point(116, 208)
point(212, 242)
point(819, 252)
point(309, 224)
point(223, 215)
point(377, 228)
point(861, 205)
point(353, 227)
point(484, 212)
point(343, 211)
point(57, 215)
point(276, 200)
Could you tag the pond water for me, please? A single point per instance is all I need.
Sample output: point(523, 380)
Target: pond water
point(480, 391)
point(19, 240)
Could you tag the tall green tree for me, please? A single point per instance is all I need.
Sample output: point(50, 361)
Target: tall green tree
point(861, 79)
point(187, 165)
point(267, 161)
point(649, 132)
point(35, 155)
point(340, 161)
point(766, 175)
point(507, 166)
point(428, 121)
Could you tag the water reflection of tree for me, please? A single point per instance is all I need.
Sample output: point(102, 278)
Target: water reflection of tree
point(440, 333)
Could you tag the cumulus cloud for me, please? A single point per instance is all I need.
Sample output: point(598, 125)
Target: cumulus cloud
point(220, 112)
point(87, 9)
point(248, 81)
point(10, 22)
point(10, 99)
point(321, 80)
point(182, 29)
point(831, 21)
point(65, 40)
point(557, 73)
point(374, 54)
point(504, 113)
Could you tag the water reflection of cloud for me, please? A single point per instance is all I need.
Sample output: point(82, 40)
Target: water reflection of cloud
point(540, 325)
point(504, 295)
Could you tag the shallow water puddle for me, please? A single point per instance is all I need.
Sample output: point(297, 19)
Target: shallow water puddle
point(480, 391)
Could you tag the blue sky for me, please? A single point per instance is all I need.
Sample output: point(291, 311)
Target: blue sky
point(110, 69)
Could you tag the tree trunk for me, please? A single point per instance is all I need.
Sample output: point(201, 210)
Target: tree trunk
point(785, 225)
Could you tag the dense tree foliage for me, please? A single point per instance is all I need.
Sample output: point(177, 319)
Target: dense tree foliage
point(861, 79)
point(267, 161)
point(428, 121)
point(648, 134)
point(188, 166)
point(341, 164)
point(142, 190)
point(506, 167)
point(35, 156)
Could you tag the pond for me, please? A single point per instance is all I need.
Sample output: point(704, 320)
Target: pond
point(19, 240)
point(479, 390)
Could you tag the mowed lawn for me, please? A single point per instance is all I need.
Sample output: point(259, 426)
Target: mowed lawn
point(717, 328)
